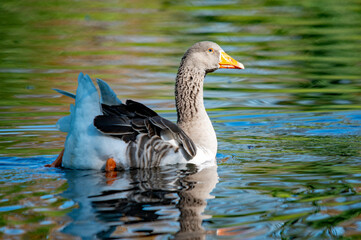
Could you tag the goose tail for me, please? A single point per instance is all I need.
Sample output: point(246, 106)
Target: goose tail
point(65, 93)
point(107, 95)
point(86, 104)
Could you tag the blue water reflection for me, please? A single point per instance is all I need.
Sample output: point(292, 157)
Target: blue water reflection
point(139, 203)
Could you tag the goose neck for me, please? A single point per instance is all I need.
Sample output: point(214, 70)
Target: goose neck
point(189, 94)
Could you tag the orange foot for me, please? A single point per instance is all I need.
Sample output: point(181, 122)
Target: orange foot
point(110, 174)
point(110, 165)
point(58, 160)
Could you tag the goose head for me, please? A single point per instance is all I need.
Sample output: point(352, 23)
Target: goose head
point(208, 56)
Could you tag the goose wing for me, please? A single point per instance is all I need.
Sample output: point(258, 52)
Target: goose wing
point(127, 121)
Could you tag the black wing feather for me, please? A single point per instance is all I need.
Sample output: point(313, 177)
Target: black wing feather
point(140, 109)
point(112, 125)
point(126, 121)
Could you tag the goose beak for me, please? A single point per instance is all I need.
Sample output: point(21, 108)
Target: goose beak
point(228, 62)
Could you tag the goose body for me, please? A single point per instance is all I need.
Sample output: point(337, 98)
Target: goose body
point(132, 135)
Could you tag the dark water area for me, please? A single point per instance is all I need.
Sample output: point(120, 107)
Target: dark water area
point(288, 126)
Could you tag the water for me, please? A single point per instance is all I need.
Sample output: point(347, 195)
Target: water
point(288, 126)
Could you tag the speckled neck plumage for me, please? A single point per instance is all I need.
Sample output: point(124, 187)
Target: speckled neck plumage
point(189, 93)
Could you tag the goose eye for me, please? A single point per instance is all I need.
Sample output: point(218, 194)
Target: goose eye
point(210, 50)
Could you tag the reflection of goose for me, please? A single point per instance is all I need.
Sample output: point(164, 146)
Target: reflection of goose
point(192, 203)
point(139, 203)
point(132, 135)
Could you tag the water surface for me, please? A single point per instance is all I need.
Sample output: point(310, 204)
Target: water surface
point(288, 126)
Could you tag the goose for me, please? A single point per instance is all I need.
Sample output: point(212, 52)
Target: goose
point(106, 134)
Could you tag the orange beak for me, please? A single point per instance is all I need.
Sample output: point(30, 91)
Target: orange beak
point(228, 62)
